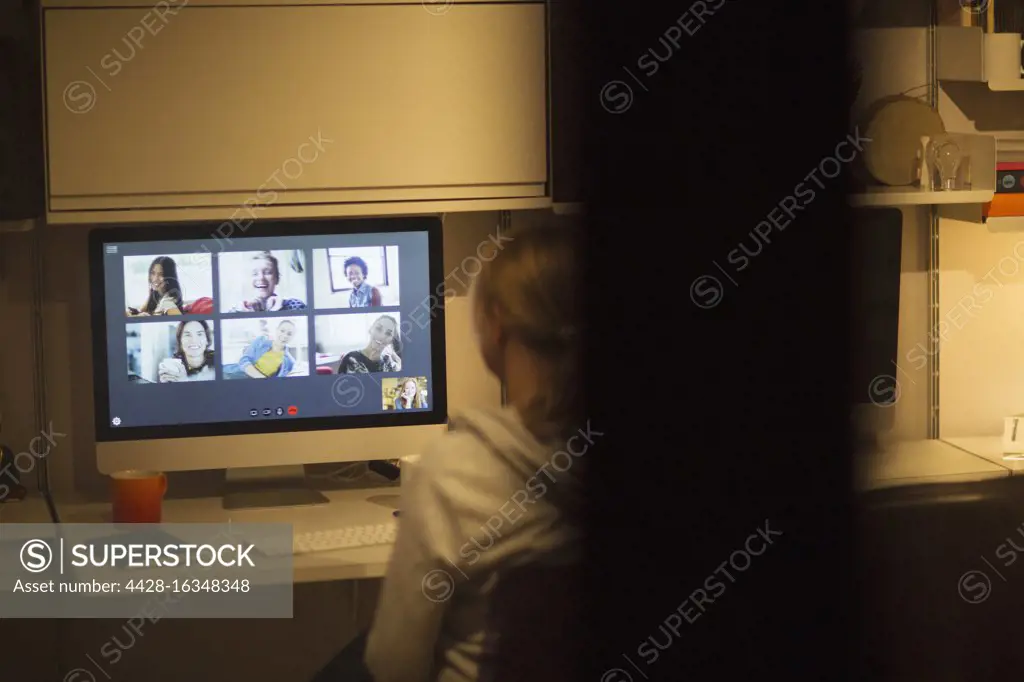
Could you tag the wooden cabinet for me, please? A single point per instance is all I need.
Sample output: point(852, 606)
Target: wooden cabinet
point(193, 111)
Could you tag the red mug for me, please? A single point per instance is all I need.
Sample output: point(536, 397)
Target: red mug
point(138, 496)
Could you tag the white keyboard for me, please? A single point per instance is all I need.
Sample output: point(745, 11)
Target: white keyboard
point(345, 537)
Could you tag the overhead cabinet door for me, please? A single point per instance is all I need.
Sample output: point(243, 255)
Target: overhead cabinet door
point(191, 106)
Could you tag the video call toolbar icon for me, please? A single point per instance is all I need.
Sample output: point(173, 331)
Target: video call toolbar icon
point(293, 410)
point(254, 413)
point(267, 411)
point(116, 421)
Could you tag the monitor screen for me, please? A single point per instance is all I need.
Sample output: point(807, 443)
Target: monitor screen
point(200, 330)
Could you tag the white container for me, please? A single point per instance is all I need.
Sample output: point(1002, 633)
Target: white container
point(1002, 57)
point(408, 467)
point(1013, 436)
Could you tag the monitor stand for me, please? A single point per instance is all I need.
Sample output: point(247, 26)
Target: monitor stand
point(268, 487)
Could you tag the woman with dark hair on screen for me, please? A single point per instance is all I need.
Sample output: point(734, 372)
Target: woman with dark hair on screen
point(164, 290)
point(452, 604)
point(193, 360)
point(364, 294)
point(383, 353)
point(408, 396)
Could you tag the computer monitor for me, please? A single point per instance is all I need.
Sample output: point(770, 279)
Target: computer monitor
point(264, 347)
point(877, 241)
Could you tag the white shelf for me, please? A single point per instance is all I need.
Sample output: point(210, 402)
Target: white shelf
point(968, 54)
point(982, 153)
point(1005, 224)
point(1007, 86)
point(915, 196)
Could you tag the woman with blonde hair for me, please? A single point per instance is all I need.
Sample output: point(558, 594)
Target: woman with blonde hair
point(408, 395)
point(431, 623)
point(265, 277)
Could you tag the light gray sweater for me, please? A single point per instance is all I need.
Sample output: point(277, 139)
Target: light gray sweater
point(484, 498)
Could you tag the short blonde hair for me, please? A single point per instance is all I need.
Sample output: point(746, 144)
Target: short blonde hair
point(272, 259)
point(533, 282)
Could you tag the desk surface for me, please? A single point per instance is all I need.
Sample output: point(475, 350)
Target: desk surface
point(928, 461)
point(989, 448)
point(346, 508)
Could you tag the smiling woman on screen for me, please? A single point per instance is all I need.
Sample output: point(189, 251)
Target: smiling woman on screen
point(193, 359)
point(164, 297)
point(383, 352)
point(266, 276)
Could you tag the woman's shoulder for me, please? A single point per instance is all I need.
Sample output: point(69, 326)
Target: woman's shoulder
point(461, 450)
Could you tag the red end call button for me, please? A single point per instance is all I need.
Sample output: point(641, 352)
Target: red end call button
point(292, 410)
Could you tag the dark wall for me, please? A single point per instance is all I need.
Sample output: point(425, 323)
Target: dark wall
point(567, 84)
point(21, 112)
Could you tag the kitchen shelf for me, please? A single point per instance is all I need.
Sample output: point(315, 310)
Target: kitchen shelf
point(982, 153)
point(916, 196)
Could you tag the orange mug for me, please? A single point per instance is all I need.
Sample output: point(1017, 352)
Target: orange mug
point(138, 496)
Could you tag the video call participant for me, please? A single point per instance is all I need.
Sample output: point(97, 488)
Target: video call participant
point(266, 275)
point(265, 358)
point(383, 353)
point(164, 290)
point(409, 396)
point(193, 360)
point(364, 295)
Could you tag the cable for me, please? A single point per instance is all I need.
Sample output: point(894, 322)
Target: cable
point(916, 87)
point(387, 469)
point(504, 225)
point(43, 473)
point(342, 474)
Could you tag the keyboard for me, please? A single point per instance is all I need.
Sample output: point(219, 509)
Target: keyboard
point(344, 537)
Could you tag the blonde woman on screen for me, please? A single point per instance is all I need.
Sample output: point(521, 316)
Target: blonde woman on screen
point(266, 276)
point(266, 357)
point(408, 396)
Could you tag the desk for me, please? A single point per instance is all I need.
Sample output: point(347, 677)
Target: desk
point(928, 461)
point(334, 599)
point(989, 448)
point(347, 507)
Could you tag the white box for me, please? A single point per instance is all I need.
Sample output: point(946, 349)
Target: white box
point(1013, 435)
point(407, 466)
